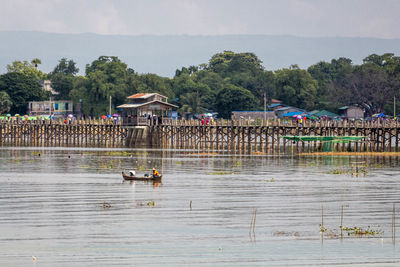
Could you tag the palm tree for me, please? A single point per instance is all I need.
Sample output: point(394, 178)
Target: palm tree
point(191, 103)
point(5, 102)
point(36, 62)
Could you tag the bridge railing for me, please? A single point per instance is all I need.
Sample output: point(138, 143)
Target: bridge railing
point(288, 123)
point(143, 121)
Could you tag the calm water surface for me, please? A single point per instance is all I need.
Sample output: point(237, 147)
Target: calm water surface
point(52, 207)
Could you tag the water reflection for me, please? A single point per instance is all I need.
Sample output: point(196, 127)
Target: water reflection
point(70, 206)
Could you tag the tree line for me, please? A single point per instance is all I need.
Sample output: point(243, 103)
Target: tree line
point(228, 81)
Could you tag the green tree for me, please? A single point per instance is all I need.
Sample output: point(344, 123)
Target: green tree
point(152, 83)
point(296, 87)
point(194, 96)
point(211, 79)
point(219, 63)
point(261, 85)
point(21, 89)
point(325, 74)
point(5, 102)
point(26, 68)
point(66, 67)
point(232, 98)
point(62, 84)
point(62, 78)
point(368, 85)
point(105, 77)
point(224, 70)
point(191, 103)
point(228, 63)
point(387, 61)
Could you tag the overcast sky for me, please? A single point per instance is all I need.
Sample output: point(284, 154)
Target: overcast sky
point(350, 18)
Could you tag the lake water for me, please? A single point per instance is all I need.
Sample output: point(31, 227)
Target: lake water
point(69, 207)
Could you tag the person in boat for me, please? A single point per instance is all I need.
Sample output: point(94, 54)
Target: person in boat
point(155, 173)
point(132, 173)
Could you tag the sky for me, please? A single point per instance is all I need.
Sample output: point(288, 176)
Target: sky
point(308, 18)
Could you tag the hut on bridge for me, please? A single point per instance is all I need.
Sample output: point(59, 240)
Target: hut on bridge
point(146, 109)
point(352, 112)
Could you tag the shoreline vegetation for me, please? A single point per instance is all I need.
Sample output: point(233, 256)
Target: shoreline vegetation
point(227, 82)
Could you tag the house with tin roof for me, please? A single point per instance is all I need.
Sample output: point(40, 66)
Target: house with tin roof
point(146, 109)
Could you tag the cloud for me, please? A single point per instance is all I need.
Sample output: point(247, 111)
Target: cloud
point(364, 18)
point(72, 16)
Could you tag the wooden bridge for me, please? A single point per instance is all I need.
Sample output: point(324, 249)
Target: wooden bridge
point(81, 133)
point(266, 136)
point(238, 136)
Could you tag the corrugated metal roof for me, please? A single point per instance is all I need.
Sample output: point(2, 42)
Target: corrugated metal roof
point(325, 113)
point(129, 105)
point(275, 105)
point(251, 111)
point(285, 108)
point(147, 103)
point(141, 95)
point(313, 112)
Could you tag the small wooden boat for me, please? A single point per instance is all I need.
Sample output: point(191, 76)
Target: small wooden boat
point(141, 178)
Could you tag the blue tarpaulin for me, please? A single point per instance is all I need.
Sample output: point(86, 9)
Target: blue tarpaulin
point(291, 114)
point(379, 115)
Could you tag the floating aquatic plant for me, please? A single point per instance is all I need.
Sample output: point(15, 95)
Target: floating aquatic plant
point(269, 180)
point(353, 172)
point(378, 166)
point(106, 205)
point(151, 203)
point(238, 163)
point(284, 233)
point(219, 173)
point(117, 153)
point(338, 171)
point(351, 232)
point(359, 231)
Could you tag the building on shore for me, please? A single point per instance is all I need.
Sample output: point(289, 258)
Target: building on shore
point(46, 85)
point(51, 107)
point(352, 112)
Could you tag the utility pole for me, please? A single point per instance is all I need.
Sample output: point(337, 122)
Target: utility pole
point(50, 106)
point(265, 107)
point(110, 106)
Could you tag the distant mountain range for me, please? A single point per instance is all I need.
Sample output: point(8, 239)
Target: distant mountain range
point(162, 55)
